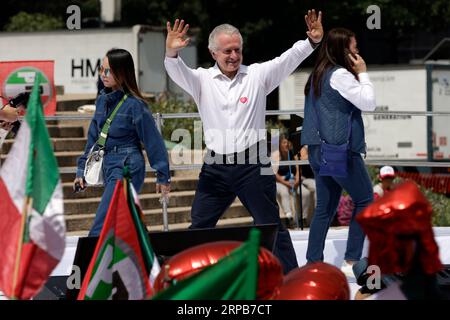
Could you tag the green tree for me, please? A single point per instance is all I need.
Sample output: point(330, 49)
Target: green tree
point(54, 9)
point(171, 104)
point(408, 16)
point(33, 22)
point(440, 202)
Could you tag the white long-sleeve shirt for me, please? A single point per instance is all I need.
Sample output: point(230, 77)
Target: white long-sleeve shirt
point(233, 110)
point(360, 93)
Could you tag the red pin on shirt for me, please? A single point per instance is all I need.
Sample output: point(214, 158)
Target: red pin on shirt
point(243, 99)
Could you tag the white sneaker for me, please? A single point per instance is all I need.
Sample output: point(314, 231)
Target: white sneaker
point(347, 269)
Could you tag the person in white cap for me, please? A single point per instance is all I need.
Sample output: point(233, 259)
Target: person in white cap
point(387, 176)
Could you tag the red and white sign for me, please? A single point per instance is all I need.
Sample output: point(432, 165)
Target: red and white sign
point(18, 77)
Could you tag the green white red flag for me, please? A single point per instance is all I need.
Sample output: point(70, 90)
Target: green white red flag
point(32, 227)
point(123, 266)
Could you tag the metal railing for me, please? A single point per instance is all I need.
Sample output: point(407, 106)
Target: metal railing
point(159, 118)
point(159, 123)
point(394, 163)
point(268, 113)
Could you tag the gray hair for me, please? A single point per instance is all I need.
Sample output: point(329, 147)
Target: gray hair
point(223, 28)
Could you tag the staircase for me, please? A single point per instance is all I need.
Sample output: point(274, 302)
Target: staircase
point(69, 139)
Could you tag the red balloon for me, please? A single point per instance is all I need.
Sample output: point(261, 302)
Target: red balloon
point(192, 260)
point(395, 224)
point(314, 281)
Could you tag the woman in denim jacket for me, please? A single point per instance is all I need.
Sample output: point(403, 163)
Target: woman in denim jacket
point(132, 124)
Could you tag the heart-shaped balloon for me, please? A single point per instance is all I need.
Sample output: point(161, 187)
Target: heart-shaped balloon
point(192, 260)
point(398, 226)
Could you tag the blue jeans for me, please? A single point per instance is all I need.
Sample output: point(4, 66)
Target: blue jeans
point(328, 191)
point(115, 160)
point(218, 186)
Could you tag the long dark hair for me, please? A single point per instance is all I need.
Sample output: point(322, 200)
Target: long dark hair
point(122, 68)
point(283, 136)
point(333, 52)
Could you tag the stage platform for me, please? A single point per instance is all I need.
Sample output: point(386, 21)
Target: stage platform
point(334, 250)
point(337, 241)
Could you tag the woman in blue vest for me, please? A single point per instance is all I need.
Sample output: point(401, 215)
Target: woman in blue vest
point(337, 91)
point(132, 125)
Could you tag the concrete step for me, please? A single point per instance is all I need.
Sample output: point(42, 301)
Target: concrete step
point(177, 184)
point(59, 144)
point(148, 201)
point(69, 177)
point(79, 222)
point(72, 105)
point(69, 144)
point(65, 131)
point(223, 222)
point(62, 122)
point(64, 158)
point(154, 217)
point(67, 158)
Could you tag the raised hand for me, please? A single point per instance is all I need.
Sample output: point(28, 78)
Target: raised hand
point(176, 37)
point(314, 24)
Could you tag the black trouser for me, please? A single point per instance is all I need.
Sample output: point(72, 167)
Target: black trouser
point(218, 186)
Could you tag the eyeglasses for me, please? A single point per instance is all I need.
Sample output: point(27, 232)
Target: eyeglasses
point(102, 69)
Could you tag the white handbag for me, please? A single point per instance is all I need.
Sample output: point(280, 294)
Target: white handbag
point(93, 170)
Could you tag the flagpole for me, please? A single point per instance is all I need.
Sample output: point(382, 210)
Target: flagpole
point(26, 206)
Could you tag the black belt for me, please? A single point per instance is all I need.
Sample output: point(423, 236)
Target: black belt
point(232, 158)
point(250, 155)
